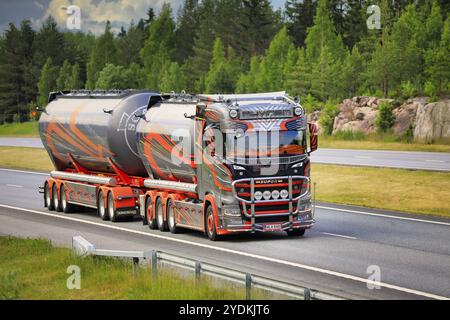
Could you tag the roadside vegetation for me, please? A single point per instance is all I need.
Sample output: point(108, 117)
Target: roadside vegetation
point(22, 129)
point(392, 189)
point(25, 158)
point(34, 269)
point(383, 188)
point(378, 141)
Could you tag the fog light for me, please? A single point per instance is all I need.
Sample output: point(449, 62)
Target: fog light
point(267, 194)
point(284, 193)
point(258, 195)
point(232, 212)
point(275, 194)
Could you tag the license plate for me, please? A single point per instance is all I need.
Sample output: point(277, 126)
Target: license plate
point(273, 227)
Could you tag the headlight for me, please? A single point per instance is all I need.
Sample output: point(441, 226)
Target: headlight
point(298, 111)
point(275, 194)
point(284, 193)
point(233, 114)
point(267, 194)
point(258, 195)
point(235, 167)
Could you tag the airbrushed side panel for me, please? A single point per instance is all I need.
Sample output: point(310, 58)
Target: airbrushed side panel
point(166, 142)
point(82, 128)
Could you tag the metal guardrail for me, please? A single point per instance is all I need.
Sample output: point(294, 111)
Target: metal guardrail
point(83, 247)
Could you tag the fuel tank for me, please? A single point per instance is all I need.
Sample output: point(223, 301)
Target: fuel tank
point(92, 127)
point(167, 139)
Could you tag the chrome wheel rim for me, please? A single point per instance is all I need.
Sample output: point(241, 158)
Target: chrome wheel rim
point(160, 214)
point(55, 198)
point(111, 208)
point(101, 205)
point(47, 196)
point(171, 216)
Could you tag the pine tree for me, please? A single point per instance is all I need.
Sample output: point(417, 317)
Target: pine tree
point(258, 23)
point(300, 17)
point(188, 22)
point(223, 71)
point(247, 81)
point(64, 78)
point(104, 52)
point(323, 33)
point(173, 79)
point(159, 48)
point(352, 74)
point(75, 82)
point(299, 78)
point(129, 46)
point(47, 81)
point(438, 61)
point(49, 42)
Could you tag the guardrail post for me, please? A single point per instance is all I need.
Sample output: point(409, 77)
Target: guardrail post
point(198, 269)
point(135, 266)
point(154, 263)
point(307, 293)
point(248, 286)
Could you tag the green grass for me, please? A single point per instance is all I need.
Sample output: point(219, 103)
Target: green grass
point(392, 189)
point(376, 141)
point(24, 129)
point(34, 269)
point(25, 158)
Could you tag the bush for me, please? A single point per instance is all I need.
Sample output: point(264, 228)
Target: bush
point(408, 89)
point(329, 112)
point(385, 118)
point(310, 103)
point(430, 91)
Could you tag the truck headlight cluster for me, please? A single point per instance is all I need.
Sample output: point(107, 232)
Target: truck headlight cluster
point(275, 194)
point(233, 113)
point(267, 195)
point(258, 195)
point(298, 111)
point(284, 193)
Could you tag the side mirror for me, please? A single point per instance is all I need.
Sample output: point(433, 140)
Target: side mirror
point(313, 137)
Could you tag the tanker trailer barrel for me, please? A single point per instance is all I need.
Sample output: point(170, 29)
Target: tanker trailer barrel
point(89, 127)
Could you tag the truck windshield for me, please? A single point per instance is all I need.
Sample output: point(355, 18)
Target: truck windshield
point(263, 144)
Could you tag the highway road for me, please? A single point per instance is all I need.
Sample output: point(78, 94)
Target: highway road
point(433, 161)
point(412, 251)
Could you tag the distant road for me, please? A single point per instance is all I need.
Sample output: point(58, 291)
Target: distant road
point(432, 161)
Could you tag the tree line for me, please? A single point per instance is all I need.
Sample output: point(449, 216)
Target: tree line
point(320, 50)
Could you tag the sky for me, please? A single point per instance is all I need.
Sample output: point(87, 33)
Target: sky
point(94, 13)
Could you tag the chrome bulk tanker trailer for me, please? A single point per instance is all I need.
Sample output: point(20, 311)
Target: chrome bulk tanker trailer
point(216, 164)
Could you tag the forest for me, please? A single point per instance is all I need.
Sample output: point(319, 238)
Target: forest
point(319, 50)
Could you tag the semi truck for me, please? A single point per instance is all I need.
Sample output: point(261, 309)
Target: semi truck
point(218, 164)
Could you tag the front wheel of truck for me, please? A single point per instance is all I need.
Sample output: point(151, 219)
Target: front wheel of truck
point(210, 225)
point(296, 232)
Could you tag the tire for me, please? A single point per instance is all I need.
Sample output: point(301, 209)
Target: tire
point(152, 224)
point(171, 217)
point(296, 232)
point(66, 207)
point(55, 199)
point(101, 209)
point(48, 203)
point(112, 212)
point(159, 212)
point(210, 225)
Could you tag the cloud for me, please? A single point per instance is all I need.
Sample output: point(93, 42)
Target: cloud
point(95, 13)
point(39, 5)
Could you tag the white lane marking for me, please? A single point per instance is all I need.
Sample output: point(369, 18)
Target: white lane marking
point(241, 253)
point(363, 157)
point(22, 171)
point(14, 186)
point(385, 215)
point(431, 160)
point(338, 235)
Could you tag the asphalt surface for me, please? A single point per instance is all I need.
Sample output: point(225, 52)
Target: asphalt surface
point(433, 161)
point(412, 251)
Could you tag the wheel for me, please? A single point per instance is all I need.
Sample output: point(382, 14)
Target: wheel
point(66, 207)
point(101, 207)
point(211, 231)
point(171, 217)
point(48, 203)
point(162, 225)
point(296, 232)
point(55, 198)
point(111, 208)
point(152, 224)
